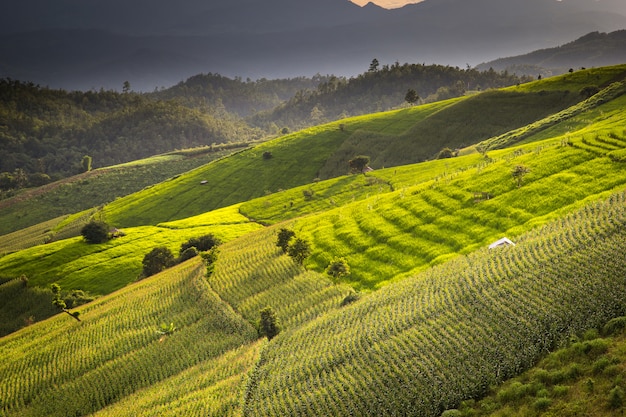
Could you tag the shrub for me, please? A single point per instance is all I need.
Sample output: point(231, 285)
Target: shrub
point(95, 232)
point(77, 298)
point(445, 153)
point(542, 403)
point(210, 257)
point(308, 194)
point(614, 326)
point(350, 298)
point(358, 163)
point(188, 254)
point(202, 243)
point(157, 260)
point(338, 268)
point(284, 236)
point(299, 250)
point(268, 324)
point(616, 398)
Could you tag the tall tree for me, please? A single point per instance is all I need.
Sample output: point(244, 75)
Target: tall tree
point(374, 65)
point(299, 250)
point(411, 96)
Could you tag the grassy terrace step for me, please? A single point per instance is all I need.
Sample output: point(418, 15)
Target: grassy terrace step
point(425, 344)
point(393, 234)
point(94, 188)
point(391, 139)
point(103, 268)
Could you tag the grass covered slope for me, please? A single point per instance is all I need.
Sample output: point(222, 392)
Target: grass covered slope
point(425, 340)
point(252, 273)
point(106, 267)
point(390, 139)
point(61, 367)
point(21, 305)
point(97, 187)
point(584, 378)
point(440, 210)
point(423, 345)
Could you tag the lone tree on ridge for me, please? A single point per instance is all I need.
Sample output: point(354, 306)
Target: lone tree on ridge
point(95, 232)
point(411, 96)
point(518, 173)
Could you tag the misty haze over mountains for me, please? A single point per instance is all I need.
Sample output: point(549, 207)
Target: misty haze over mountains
point(75, 44)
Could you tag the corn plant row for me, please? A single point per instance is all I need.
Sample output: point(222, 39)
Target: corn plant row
point(389, 236)
point(211, 388)
point(53, 368)
point(422, 345)
point(253, 273)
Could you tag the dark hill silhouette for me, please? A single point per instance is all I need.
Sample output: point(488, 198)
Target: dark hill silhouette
point(81, 45)
point(592, 50)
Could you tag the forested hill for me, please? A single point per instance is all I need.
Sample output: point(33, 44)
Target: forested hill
point(301, 102)
point(48, 132)
point(45, 134)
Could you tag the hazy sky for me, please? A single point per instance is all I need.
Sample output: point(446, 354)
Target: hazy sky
point(388, 4)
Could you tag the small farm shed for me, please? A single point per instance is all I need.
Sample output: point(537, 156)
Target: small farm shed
point(505, 241)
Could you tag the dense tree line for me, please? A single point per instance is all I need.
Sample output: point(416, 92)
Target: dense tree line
point(379, 89)
point(49, 132)
point(243, 98)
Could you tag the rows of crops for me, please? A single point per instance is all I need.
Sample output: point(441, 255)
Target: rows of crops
point(212, 388)
point(391, 139)
point(313, 198)
point(61, 367)
point(253, 273)
point(392, 234)
point(422, 345)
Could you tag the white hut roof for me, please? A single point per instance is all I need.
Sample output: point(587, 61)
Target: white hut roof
point(503, 241)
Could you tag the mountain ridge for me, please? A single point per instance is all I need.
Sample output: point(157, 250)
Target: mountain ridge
point(278, 39)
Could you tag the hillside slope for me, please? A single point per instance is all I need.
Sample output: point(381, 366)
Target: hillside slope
point(390, 139)
point(592, 50)
point(421, 346)
point(64, 367)
point(439, 320)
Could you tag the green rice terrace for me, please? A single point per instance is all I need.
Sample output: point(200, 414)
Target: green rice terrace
point(425, 320)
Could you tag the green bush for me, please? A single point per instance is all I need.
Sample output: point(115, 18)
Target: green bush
point(202, 243)
point(542, 403)
point(350, 298)
point(338, 268)
point(268, 324)
point(284, 236)
point(616, 398)
point(452, 413)
point(188, 254)
point(299, 251)
point(157, 260)
point(560, 390)
point(614, 326)
point(95, 232)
